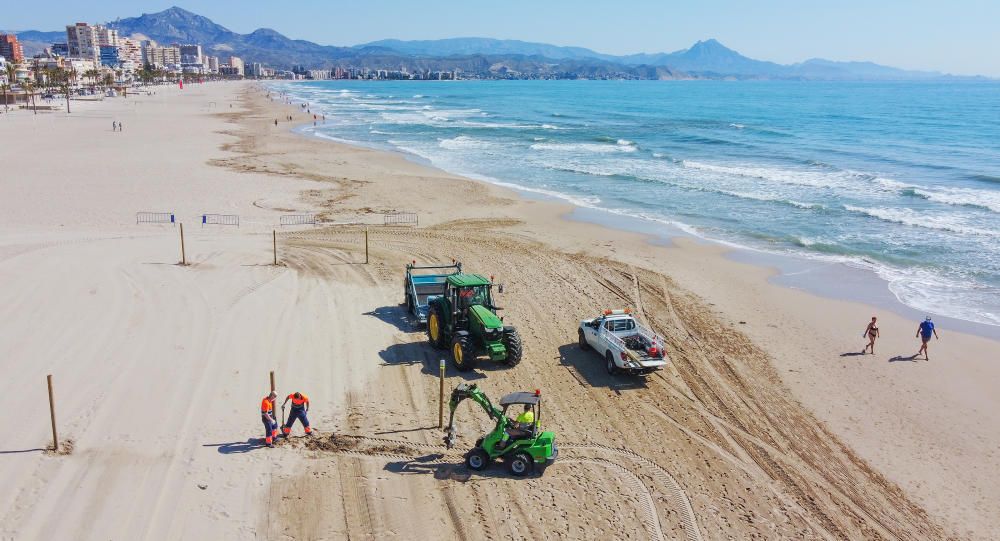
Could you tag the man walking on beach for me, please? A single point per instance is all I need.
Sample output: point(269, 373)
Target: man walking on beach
point(300, 406)
point(267, 417)
point(924, 331)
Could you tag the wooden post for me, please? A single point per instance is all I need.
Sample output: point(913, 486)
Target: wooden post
point(274, 245)
point(441, 397)
point(272, 381)
point(52, 415)
point(183, 255)
point(366, 246)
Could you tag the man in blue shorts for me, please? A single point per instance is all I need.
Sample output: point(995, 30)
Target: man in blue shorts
point(924, 331)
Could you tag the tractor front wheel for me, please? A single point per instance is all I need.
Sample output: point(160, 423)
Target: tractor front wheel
point(515, 348)
point(521, 464)
point(463, 354)
point(477, 459)
point(435, 327)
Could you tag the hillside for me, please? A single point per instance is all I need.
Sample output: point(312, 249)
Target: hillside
point(475, 56)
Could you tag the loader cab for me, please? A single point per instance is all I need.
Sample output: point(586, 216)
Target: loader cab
point(514, 403)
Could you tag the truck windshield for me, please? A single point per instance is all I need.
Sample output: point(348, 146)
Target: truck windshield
point(470, 296)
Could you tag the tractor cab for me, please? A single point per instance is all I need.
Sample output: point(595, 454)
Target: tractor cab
point(468, 290)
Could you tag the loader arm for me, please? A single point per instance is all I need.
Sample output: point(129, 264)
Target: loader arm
point(460, 393)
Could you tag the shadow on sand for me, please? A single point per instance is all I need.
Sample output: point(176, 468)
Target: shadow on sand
point(397, 316)
point(238, 446)
point(458, 471)
point(898, 358)
point(590, 371)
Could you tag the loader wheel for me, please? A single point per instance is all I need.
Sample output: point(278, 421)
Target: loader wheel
point(612, 368)
point(515, 348)
point(435, 328)
point(521, 464)
point(477, 459)
point(583, 340)
point(462, 353)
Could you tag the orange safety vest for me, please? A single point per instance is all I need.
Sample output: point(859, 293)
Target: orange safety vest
point(298, 402)
point(267, 406)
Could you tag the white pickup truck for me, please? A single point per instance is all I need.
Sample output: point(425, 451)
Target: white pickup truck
point(625, 345)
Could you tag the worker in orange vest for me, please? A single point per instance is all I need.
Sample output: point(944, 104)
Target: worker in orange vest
point(300, 406)
point(267, 417)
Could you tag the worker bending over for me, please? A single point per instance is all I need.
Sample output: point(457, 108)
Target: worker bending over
point(300, 406)
point(267, 417)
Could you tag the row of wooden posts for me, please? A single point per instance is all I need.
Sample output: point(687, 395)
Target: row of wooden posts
point(274, 246)
point(55, 433)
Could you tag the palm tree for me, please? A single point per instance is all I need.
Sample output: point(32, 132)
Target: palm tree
point(29, 89)
point(11, 75)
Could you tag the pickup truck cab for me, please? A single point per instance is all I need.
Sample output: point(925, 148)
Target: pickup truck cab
point(625, 345)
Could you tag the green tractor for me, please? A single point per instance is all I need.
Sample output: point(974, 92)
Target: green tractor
point(522, 445)
point(465, 319)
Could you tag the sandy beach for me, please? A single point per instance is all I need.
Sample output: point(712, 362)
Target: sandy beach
point(766, 423)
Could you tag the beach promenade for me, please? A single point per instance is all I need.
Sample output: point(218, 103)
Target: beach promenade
point(766, 422)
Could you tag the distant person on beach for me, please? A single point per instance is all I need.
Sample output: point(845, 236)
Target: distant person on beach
point(276, 122)
point(872, 333)
point(114, 125)
point(924, 331)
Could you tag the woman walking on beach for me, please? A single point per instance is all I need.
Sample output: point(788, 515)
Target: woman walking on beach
point(872, 333)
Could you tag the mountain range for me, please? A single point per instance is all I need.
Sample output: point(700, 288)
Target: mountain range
point(477, 56)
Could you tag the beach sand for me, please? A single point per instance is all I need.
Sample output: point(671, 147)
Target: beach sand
point(764, 424)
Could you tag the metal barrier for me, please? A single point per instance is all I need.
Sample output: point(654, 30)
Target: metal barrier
point(400, 218)
point(220, 219)
point(297, 219)
point(154, 217)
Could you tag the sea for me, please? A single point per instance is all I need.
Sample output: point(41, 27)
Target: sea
point(900, 179)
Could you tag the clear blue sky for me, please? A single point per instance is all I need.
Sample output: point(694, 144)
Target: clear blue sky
point(956, 36)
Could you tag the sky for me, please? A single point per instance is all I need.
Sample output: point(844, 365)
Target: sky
point(957, 36)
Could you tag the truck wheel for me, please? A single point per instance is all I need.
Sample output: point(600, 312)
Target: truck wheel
point(477, 459)
point(611, 366)
point(462, 353)
point(435, 327)
point(515, 348)
point(583, 340)
point(521, 464)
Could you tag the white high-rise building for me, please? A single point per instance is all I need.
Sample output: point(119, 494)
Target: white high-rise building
point(81, 39)
point(85, 41)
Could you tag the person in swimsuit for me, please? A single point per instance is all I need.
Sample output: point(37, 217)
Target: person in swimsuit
point(872, 333)
point(925, 331)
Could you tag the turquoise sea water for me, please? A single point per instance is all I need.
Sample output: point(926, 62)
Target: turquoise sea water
point(899, 178)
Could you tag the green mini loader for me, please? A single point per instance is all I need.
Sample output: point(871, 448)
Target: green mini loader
point(523, 446)
point(465, 320)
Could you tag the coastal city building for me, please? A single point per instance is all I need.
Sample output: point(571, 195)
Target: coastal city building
point(212, 64)
point(11, 49)
point(81, 40)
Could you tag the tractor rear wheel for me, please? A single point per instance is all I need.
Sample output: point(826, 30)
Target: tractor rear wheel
point(583, 340)
point(477, 459)
point(520, 464)
point(462, 352)
point(435, 327)
point(514, 346)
